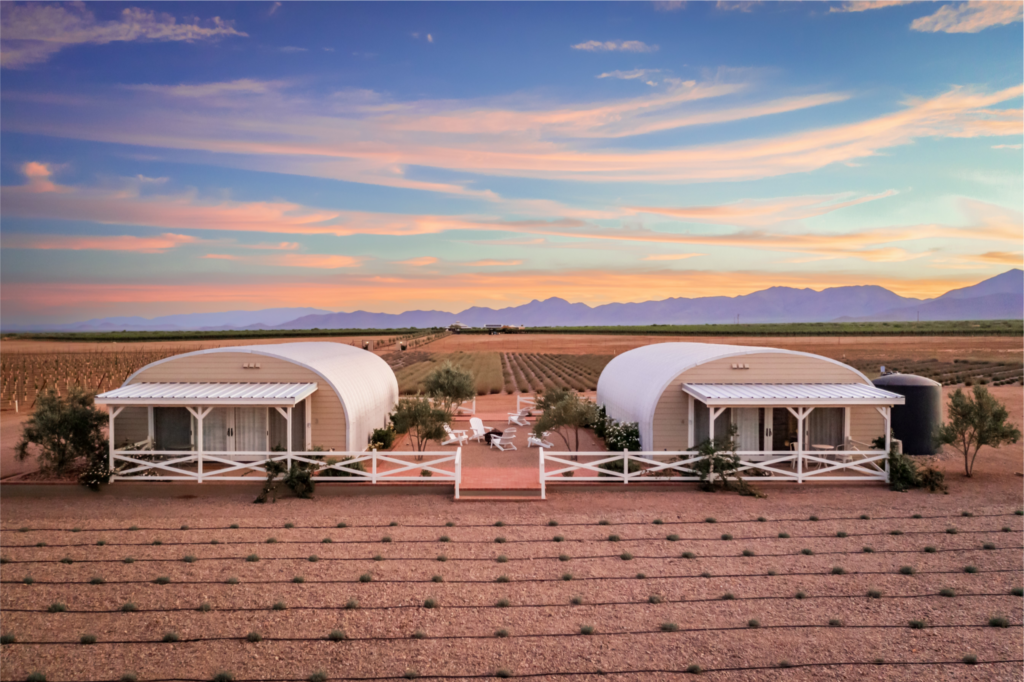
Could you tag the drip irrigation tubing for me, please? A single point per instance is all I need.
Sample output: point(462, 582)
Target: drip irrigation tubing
point(579, 673)
point(447, 559)
point(239, 609)
point(514, 580)
point(547, 635)
point(492, 542)
point(506, 525)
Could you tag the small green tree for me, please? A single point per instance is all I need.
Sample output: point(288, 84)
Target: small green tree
point(450, 386)
point(565, 413)
point(975, 423)
point(717, 469)
point(421, 420)
point(65, 430)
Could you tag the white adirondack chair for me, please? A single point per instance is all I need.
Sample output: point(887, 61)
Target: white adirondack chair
point(519, 418)
point(454, 437)
point(504, 442)
point(541, 441)
point(477, 427)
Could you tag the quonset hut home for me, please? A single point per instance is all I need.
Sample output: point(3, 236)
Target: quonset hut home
point(792, 410)
point(238, 403)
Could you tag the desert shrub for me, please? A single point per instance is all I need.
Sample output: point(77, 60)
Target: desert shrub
point(874, 594)
point(66, 430)
point(437, 579)
point(753, 623)
point(502, 603)
point(382, 439)
point(907, 570)
point(946, 592)
point(501, 633)
point(129, 607)
point(352, 605)
point(835, 623)
point(654, 599)
point(205, 607)
point(162, 580)
point(558, 538)
point(970, 569)
point(917, 624)
point(96, 580)
point(232, 581)
point(718, 465)
point(587, 629)
point(502, 559)
point(171, 637)
point(975, 422)
point(88, 639)
point(337, 636)
point(318, 676)
point(784, 536)
point(502, 578)
point(365, 578)
point(57, 607)
point(669, 627)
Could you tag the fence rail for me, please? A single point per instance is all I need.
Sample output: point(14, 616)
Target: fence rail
point(779, 465)
point(368, 466)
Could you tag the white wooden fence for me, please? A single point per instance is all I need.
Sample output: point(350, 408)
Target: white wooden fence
point(355, 467)
point(788, 465)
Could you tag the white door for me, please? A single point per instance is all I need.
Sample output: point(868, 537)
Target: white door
point(748, 435)
point(216, 430)
point(250, 429)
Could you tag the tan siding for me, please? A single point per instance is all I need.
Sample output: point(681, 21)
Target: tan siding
point(329, 425)
point(866, 424)
point(671, 426)
point(131, 426)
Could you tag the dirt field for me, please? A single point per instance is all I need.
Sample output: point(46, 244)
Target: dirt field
point(850, 347)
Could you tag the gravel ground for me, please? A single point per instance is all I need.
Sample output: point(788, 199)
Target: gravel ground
point(542, 622)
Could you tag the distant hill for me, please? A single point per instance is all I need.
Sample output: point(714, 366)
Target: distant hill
point(1001, 297)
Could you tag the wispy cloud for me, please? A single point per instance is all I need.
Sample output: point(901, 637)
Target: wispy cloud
point(737, 5)
point(33, 32)
point(273, 9)
point(491, 263)
point(222, 256)
point(292, 49)
point(764, 212)
point(279, 246)
point(634, 74)
point(63, 242)
point(615, 46)
point(419, 262)
point(865, 5)
point(970, 17)
point(672, 256)
point(315, 260)
point(1007, 146)
point(242, 86)
point(669, 5)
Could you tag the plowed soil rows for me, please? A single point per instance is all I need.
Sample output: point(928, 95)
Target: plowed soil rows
point(631, 601)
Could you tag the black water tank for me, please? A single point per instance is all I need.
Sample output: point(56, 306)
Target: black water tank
point(915, 422)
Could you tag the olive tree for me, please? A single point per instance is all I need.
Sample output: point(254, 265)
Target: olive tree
point(421, 420)
point(565, 413)
point(974, 423)
point(449, 386)
point(65, 429)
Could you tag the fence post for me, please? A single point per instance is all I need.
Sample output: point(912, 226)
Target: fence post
point(625, 466)
point(543, 480)
point(110, 438)
point(458, 470)
point(373, 466)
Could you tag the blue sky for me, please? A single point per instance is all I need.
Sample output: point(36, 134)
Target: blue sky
point(162, 158)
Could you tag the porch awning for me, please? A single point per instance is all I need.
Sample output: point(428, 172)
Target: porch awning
point(208, 394)
point(725, 395)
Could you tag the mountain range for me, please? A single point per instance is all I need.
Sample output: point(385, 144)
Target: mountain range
point(1001, 297)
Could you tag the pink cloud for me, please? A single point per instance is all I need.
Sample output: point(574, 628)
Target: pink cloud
point(315, 260)
point(970, 17)
point(221, 256)
point(489, 263)
point(131, 243)
point(672, 256)
point(418, 262)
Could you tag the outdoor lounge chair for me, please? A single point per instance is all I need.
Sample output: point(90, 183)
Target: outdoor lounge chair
point(479, 430)
point(519, 418)
point(454, 437)
point(504, 442)
point(539, 441)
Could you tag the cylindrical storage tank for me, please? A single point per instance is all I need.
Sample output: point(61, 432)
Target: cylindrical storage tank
point(914, 423)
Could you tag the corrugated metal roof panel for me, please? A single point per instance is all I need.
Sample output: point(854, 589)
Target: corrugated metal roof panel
point(284, 394)
point(740, 394)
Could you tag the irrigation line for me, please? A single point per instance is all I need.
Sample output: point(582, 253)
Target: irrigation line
point(492, 542)
point(596, 672)
point(545, 635)
point(506, 525)
point(515, 580)
point(491, 559)
point(442, 607)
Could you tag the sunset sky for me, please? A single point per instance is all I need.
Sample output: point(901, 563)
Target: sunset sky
point(163, 158)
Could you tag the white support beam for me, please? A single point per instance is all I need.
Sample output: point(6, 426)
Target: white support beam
point(288, 446)
point(309, 423)
point(689, 422)
point(151, 427)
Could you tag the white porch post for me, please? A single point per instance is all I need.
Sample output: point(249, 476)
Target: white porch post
point(309, 423)
point(151, 427)
point(886, 413)
point(713, 414)
point(801, 415)
point(288, 446)
point(111, 416)
point(200, 414)
point(689, 420)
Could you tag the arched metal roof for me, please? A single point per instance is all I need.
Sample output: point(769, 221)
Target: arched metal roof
point(632, 383)
point(364, 383)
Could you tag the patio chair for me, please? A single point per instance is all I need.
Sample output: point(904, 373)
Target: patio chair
point(539, 441)
point(454, 437)
point(519, 418)
point(504, 442)
point(477, 427)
